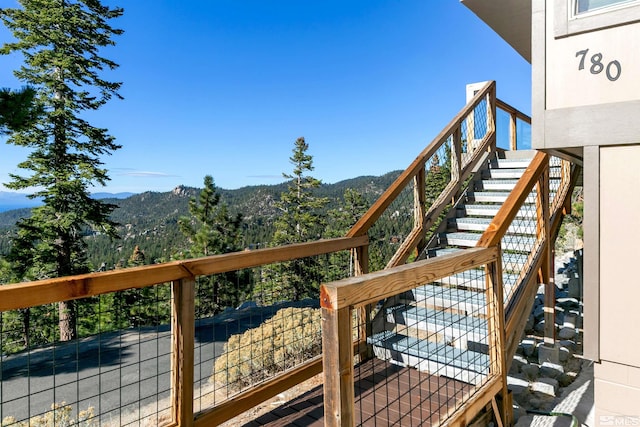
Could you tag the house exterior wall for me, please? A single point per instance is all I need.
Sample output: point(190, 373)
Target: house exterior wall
point(617, 375)
point(586, 102)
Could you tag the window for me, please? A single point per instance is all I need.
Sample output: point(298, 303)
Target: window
point(582, 16)
point(583, 6)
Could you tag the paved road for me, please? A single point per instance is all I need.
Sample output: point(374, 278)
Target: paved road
point(115, 373)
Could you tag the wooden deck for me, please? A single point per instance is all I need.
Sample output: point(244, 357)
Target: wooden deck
point(385, 394)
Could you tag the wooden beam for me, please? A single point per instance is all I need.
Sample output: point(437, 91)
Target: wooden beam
point(247, 259)
point(511, 110)
point(475, 402)
point(547, 262)
point(513, 132)
point(496, 326)
point(508, 211)
point(337, 350)
point(357, 291)
point(182, 357)
point(258, 394)
point(29, 294)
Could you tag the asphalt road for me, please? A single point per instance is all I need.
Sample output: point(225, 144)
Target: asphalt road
point(116, 373)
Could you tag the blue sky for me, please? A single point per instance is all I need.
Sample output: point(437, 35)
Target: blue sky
point(224, 87)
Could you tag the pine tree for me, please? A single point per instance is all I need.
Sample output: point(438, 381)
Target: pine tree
point(62, 41)
point(300, 220)
point(341, 220)
point(17, 109)
point(212, 230)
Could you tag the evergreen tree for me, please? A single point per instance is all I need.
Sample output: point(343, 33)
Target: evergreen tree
point(341, 220)
point(62, 41)
point(212, 230)
point(300, 220)
point(17, 109)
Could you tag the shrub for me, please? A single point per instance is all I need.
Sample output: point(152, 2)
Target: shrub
point(290, 337)
point(60, 415)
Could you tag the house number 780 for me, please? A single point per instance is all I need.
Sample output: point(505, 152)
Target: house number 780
point(613, 69)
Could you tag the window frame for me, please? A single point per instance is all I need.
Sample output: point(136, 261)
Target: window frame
point(567, 22)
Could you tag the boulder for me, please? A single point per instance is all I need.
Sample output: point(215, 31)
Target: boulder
point(567, 333)
point(548, 386)
point(551, 370)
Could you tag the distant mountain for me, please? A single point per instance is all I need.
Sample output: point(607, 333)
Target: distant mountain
point(150, 219)
point(10, 200)
point(111, 195)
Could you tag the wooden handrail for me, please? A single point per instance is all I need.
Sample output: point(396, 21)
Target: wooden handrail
point(375, 211)
point(508, 211)
point(29, 294)
point(512, 110)
point(373, 287)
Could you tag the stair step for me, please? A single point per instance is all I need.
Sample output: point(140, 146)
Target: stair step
point(510, 261)
point(468, 240)
point(475, 279)
point(440, 297)
point(510, 163)
point(490, 197)
point(496, 184)
point(481, 224)
point(457, 329)
point(435, 358)
point(503, 173)
point(472, 209)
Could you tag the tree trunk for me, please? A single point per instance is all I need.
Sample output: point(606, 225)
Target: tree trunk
point(67, 320)
point(25, 314)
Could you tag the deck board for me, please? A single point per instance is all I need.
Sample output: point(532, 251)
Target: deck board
point(385, 394)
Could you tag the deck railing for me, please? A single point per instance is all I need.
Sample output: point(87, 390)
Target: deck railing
point(171, 397)
point(505, 314)
point(446, 165)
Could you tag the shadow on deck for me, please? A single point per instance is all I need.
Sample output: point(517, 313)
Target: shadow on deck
point(385, 394)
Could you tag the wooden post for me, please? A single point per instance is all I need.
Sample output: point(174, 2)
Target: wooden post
point(491, 115)
point(513, 132)
point(456, 155)
point(361, 260)
point(496, 326)
point(544, 230)
point(182, 359)
point(419, 201)
point(337, 364)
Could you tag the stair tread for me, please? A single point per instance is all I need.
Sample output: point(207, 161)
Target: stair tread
point(508, 259)
point(521, 243)
point(469, 277)
point(428, 350)
point(439, 317)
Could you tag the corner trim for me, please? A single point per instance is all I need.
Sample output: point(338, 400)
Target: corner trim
point(591, 255)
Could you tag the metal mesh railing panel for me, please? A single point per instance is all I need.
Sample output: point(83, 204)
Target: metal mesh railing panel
point(117, 371)
point(391, 229)
point(271, 325)
point(430, 350)
point(473, 129)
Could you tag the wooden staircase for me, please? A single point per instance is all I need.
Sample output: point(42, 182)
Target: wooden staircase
point(441, 327)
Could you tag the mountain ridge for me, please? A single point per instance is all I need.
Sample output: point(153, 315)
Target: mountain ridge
point(149, 219)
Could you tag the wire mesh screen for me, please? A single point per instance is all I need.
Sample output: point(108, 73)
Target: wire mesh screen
point(430, 351)
point(557, 176)
point(271, 325)
point(520, 243)
point(388, 233)
point(115, 372)
point(473, 129)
